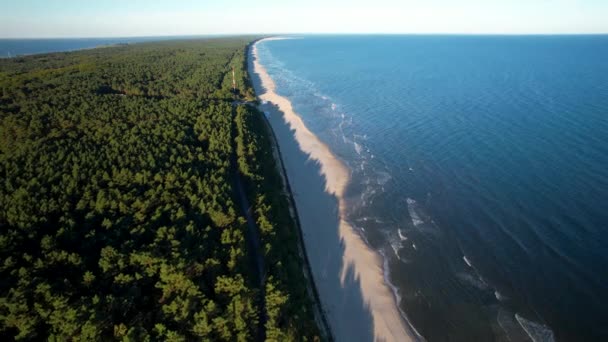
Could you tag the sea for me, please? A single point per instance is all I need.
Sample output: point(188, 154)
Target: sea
point(479, 172)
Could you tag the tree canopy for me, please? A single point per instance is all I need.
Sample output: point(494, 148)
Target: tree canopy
point(118, 212)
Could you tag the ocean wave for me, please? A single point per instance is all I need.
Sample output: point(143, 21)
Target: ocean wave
point(396, 247)
point(536, 331)
point(357, 147)
point(369, 218)
point(397, 295)
point(360, 136)
point(511, 328)
point(396, 240)
point(411, 207)
point(362, 165)
point(472, 280)
point(421, 220)
point(383, 177)
point(401, 235)
point(373, 291)
point(499, 296)
point(467, 261)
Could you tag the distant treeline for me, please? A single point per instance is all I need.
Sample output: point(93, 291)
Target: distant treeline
point(119, 217)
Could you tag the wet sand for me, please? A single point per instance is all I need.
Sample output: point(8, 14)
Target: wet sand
point(349, 277)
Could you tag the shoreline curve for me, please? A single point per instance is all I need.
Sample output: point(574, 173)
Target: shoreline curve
point(367, 265)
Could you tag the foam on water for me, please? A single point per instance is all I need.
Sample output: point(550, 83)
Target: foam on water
point(396, 294)
point(396, 246)
point(411, 207)
point(395, 242)
point(420, 131)
point(473, 280)
point(509, 326)
point(383, 177)
point(499, 296)
point(401, 235)
point(537, 332)
point(464, 257)
point(357, 147)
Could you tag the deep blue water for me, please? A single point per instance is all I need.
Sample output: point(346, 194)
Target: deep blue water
point(480, 171)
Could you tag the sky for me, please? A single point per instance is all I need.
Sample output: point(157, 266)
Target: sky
point(125, 18)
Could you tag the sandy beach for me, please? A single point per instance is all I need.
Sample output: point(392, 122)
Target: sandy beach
point(349, 276)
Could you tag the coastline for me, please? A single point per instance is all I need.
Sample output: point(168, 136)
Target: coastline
point(359, 272)
point(320, 316)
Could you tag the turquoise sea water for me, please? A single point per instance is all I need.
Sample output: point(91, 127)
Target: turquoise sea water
point(480, 172)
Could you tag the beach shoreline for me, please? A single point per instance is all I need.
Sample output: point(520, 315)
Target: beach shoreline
point(360, 266)
point(319, 314)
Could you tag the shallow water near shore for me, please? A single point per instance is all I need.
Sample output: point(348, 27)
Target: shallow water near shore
point(357, 301)
point(479, 169)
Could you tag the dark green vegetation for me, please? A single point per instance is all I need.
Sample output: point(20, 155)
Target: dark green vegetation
point(119, 217)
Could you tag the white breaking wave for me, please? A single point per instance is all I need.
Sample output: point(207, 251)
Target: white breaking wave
point(357, 148)
point(360, 136)
point(499, 296)
point(383, 177)
point(396, 242)
point(385, 324)
point(506, 321)
point(416, 220)
point(464, 257)
point(397, 295)
point(401, 235)
point(396, 246)
point(473, 281)
point(537, 332)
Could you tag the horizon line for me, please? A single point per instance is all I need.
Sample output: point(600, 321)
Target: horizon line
point(319, 34)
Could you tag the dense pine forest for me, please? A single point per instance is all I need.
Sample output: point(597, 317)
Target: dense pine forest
point(122, 215)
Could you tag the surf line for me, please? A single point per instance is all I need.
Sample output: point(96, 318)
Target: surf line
point(388, 322)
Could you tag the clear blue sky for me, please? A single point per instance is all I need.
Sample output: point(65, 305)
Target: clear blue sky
point(99, 18)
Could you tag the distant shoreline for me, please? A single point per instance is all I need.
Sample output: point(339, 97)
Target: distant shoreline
point(388, 323)
point(16, 48)
point(7, 52)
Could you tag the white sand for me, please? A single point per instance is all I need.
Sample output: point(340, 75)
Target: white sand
point(388, 324)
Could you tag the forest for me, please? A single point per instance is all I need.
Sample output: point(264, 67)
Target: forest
point(120, 217)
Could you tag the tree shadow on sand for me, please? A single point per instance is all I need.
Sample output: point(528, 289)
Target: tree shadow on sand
point(349, 316)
